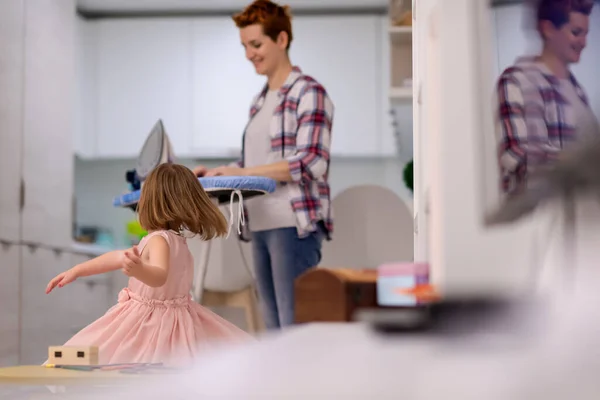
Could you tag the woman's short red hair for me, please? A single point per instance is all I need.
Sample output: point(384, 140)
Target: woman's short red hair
point(273, 18)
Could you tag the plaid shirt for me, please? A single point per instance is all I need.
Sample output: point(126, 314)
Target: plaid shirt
point(301, 134)
point(534, 120)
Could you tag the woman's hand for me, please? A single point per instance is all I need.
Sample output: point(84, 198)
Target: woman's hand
point(200, 170)
point(62, 279)
point(226, 171)
point(131, 262)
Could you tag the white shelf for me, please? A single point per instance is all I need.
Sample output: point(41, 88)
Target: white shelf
point(401, 93)
point(400, 34)
point(400, 30)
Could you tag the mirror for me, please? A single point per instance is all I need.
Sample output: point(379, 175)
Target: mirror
point(465, 47)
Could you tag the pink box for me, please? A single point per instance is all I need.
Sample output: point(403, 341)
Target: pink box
point(403, 269)
point(393, 277)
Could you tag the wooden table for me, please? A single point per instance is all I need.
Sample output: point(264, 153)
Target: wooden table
point(40, 375)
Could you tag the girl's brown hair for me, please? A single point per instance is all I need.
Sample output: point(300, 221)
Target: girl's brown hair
point(273, 18)
point(173, 198)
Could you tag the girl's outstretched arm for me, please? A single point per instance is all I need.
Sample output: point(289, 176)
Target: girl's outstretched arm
point(151, 267)
point(107, 262)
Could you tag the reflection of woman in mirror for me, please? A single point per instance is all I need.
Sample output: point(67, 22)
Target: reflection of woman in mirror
point(542, 108)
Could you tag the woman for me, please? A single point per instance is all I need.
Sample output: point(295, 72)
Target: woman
point(287, 139)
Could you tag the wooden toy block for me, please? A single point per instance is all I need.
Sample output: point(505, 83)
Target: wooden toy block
point(73, 355)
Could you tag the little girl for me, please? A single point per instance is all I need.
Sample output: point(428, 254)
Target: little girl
point(155, 319)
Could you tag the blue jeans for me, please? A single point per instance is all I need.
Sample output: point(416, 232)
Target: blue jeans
point(280, 256)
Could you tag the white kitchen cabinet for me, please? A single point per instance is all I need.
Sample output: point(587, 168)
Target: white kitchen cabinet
point(344, 53)
point(9, 305)
point(36, 109)
point(51, 319)
point(224, 84)
point(11, 114)
point(36, 167)
point(45, 318)
point(47, 133)
point(193, 74)
point(86, 88)
point(95, 296)
point(143, 74)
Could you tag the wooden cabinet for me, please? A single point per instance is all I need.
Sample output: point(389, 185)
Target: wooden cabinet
point(143, 74)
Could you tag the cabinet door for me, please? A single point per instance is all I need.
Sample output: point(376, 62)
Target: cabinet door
point(9, 305)
point(85, 68)
point(52, 319)
point(12, 42)
point(143, 74)
point(224, 84)
point(94, 296)
point(44, 318)
point(48, 122)
point(344, 53)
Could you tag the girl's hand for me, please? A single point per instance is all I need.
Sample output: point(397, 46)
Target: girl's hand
point(62, 279)
point(131, 263)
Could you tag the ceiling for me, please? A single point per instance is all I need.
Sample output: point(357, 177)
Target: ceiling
point(155, 6)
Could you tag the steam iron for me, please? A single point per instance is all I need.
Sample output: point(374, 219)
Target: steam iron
point(156, 150)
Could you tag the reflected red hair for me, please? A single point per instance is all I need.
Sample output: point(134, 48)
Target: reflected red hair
point(273, 18)
point(557, 11)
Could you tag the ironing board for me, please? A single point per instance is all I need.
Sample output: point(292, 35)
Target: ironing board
point(219, 188)
point(222, 190)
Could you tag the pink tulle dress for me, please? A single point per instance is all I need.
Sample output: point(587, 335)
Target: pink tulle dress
point(152, 325)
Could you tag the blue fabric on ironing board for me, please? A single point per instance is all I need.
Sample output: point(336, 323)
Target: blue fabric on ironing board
point(220, 186)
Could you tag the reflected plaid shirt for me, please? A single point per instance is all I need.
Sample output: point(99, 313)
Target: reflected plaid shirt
point(534, 120)
point(301, 134)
